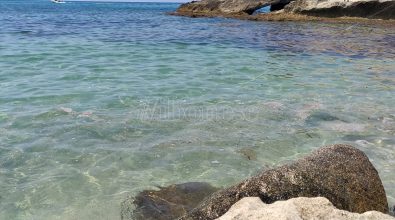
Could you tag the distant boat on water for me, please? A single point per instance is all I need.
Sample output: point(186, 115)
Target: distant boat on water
point(57, 1)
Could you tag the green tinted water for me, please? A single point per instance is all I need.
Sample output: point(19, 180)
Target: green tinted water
point(101, 101)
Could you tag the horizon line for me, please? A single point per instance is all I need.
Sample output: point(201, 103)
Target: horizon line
point(131, 1)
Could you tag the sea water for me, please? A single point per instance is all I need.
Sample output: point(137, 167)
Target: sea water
point(99, 101)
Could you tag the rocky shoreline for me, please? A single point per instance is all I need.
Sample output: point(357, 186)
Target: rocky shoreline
point(340, 173)
point(339, 11)
point(281, 17)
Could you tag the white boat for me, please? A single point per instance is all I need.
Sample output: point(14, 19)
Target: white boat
point(58, 1)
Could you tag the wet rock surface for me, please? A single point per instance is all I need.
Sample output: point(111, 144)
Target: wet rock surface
point(166, 203)
point(341, 173)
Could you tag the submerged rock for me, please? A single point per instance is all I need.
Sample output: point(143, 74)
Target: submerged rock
point(316, 117)
point(252, 208)
point(167, 203)
point(249, 153)
point(341, 173)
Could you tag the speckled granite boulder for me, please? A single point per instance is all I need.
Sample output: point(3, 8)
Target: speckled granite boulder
point(301, 208)
point(341, 173)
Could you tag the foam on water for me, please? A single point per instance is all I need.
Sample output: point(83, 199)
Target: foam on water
point(102, 100)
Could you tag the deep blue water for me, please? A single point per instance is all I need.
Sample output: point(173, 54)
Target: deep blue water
point(102, 100)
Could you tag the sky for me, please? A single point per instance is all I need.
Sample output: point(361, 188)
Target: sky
point(133, 0)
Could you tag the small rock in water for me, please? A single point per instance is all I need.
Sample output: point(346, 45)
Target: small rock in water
point(363, 143)
point(249, 153)
point(316, 117)
point(86, 114)
point(215, 162)
point(66, 110)
point(166, 203)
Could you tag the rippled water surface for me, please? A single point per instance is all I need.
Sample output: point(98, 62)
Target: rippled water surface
point(102, 100)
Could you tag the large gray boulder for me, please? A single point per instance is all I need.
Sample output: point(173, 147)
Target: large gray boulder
point(301, 208)
point(384, 9)
point(341, 173)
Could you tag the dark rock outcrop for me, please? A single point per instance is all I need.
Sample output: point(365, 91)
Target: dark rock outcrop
point(226, 6)
point(383, 9)
point(167, 203)
point(340, 173)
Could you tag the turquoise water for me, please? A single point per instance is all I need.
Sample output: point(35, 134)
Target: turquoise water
point(99, 101)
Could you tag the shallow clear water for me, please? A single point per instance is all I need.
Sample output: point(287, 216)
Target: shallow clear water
point(101, 100)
